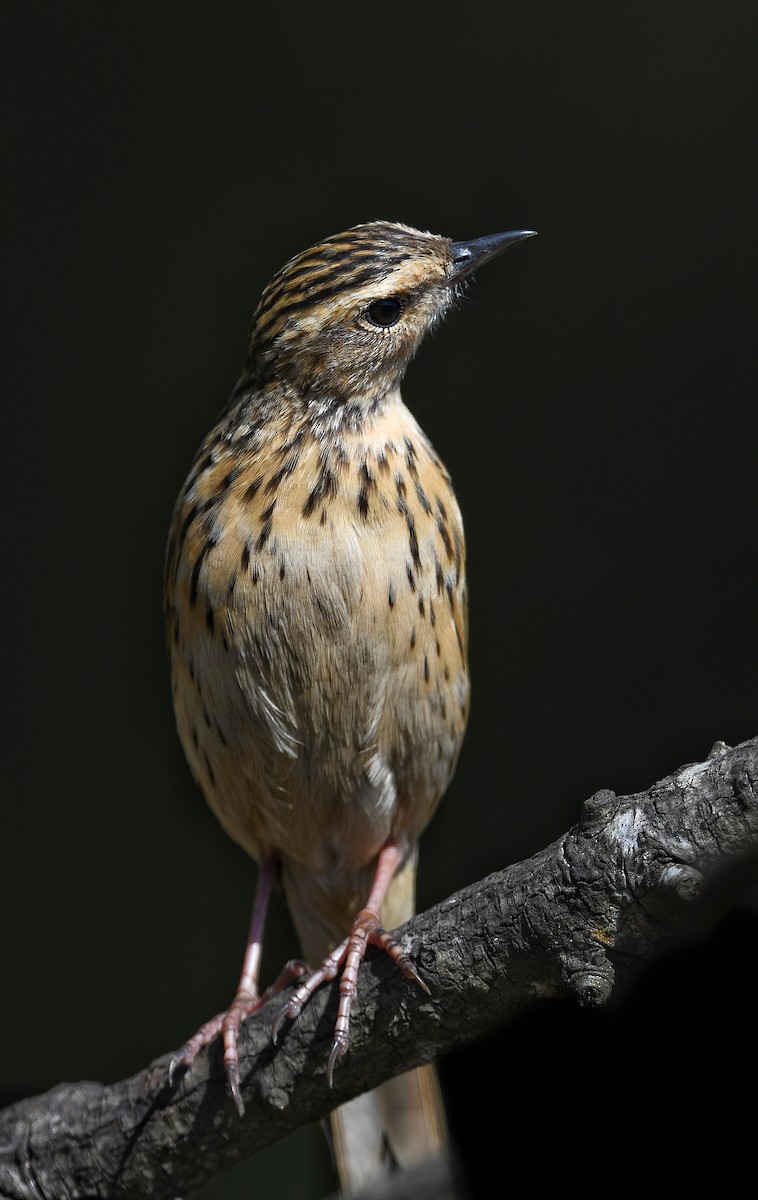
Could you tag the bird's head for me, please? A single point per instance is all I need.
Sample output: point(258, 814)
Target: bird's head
point(343, 319)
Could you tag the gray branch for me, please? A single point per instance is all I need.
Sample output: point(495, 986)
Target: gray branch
point(574, 920)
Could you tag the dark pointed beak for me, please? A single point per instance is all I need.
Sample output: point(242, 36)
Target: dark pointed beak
point(467, 256)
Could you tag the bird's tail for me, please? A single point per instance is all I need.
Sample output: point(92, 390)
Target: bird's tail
point(399, 1123)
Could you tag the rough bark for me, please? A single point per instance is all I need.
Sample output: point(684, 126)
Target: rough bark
point(574, 920)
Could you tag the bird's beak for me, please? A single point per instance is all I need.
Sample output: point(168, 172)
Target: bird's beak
point(467, 256)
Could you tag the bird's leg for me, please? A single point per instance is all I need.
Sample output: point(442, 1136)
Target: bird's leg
point(247, 998)
point(367, 930)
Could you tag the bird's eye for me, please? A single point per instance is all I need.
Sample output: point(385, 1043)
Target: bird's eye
point(384, 312)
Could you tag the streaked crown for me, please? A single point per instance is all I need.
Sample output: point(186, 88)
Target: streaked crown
point(348, 313)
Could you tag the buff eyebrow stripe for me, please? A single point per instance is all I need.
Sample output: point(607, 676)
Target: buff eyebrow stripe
point(275, 311)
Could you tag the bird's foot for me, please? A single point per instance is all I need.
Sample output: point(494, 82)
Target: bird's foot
point(302, 994)
point(228, 1023)
point(366, 931)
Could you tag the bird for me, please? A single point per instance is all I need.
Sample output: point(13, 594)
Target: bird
point(316, 611)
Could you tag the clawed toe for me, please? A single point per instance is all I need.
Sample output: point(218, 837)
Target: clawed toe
point(245, 1003)
point(175, 1068)
point(339, 1047)
point(288, 1012)
point(345, 960)
point(233, 1087)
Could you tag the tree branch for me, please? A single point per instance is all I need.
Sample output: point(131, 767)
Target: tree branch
point(574, 920)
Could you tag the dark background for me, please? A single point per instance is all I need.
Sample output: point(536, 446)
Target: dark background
point(594, 401)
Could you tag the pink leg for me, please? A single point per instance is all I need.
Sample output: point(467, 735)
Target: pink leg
point(366, 930)
point(247, 998)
